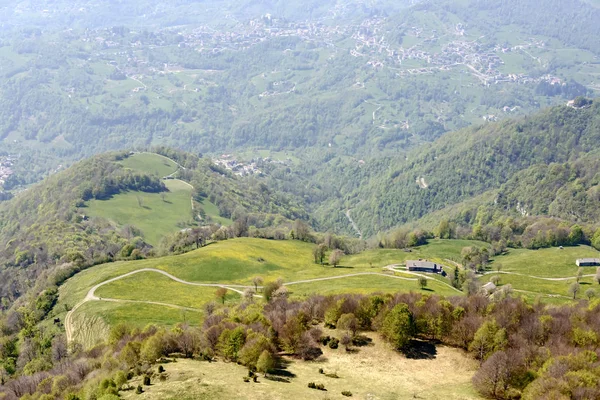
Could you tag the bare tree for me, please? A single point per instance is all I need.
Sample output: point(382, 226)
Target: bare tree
point(248, 295)
point(498, 266)
point(256, 281)
point(574, 289)
point(59, 348)
point(335, 257)
point(210, 308)
point(493, 376)
point(590, 293)
point(221, 294)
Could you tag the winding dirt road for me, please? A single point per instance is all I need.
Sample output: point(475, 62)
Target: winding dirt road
point(91, 294)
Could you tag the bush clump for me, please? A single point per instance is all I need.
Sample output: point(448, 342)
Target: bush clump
point(334, 343)
point(361, 340)
point(317, 386)
point(347, 393)
point(139, 390)
point(146, 380)
point(161, 369)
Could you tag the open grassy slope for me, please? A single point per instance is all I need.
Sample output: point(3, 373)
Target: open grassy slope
point(164, 290)
point(154, 216)
point(150, 163)
point(546, 272)
point(235, 262)
point(374, 372)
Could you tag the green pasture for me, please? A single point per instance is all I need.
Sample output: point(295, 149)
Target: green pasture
point(367, 284)
point(152, 286)
point(150, 163)
point(149, 212)
point(546, 263)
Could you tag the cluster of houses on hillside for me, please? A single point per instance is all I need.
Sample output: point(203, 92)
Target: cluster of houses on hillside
point(230, 163)
point(6, 168)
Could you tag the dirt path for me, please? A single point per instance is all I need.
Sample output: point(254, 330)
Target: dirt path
point(538, 277)
point(394, 268)
point(91, 295)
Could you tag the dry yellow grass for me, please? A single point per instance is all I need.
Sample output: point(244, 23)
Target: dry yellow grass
point(375, 373)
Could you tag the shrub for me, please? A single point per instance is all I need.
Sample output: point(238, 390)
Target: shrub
point(255, 378)
point(325, 340)
point(317, 386)
point(321, 370)
point(139, 390)
point(162, 377)
point(333, 375)
point(347, 393)
point(334, 343)
point(361, 340)
point(246, 379)
point(161, 369)
point(146, 380)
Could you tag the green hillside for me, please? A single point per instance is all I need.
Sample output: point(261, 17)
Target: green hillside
point(464, 164)
point(151, 163)
point(546, 273)
point(154, 214)
point(237, 262)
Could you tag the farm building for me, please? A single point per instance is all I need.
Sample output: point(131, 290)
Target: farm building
point(423, 266)
point(489, 287)
point(588, 262)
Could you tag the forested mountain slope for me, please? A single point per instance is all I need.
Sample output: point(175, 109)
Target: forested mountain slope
point(467, 163)
point(360, 79)
point(47, 226)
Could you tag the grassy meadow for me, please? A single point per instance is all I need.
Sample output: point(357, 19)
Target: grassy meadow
point(447, 376)
point(545, 272)
point(150, 163)
point(164, 290)
point(149, 212)
point(237, 261)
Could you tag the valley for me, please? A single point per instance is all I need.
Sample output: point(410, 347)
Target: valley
point(323, 199)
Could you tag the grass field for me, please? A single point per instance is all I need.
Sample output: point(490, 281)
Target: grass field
point(232, 262)
point(374, 372)
point(94, 319)
point(154, 216)
point(237, 261)
point(212, 211)
point(150, 163)
point(369, 284)
point(547, 263)
point(164, 290)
